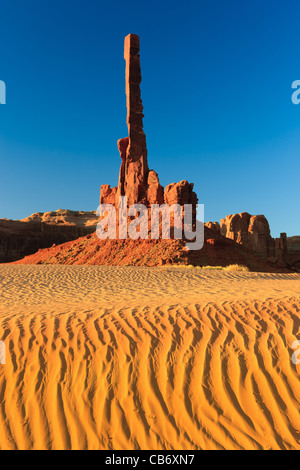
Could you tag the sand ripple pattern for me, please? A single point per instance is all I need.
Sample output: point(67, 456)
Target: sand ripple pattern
point(106, 285)
point(201, 375)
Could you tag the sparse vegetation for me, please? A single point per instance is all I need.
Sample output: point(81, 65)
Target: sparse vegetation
point(237, 267)
point(230, 268)
point(211, 267)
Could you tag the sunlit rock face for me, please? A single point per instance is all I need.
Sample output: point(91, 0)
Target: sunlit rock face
point(136, 181)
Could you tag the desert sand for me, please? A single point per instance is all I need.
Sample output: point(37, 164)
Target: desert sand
point(151, 358)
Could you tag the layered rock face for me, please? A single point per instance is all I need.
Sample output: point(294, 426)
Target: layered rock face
point(19, 238)
point(293, 244)
point(281, 247)
point(253, 231)
point(236, 227)
point(136, 181)
point(293, 252)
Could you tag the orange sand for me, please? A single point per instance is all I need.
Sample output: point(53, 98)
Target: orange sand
point(151, 358)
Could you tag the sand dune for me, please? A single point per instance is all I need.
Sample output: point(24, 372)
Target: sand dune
point(151, 358)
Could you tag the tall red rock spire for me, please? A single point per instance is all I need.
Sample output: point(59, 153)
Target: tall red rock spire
point(134, 169)
point(135, 180)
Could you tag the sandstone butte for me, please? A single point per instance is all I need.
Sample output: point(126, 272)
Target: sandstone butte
point(239, 238)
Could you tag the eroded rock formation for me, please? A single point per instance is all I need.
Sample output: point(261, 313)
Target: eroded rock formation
point(213, 226)
point(155, 191)
point(259, 236)
point(180, 193)
point(236, 227)
point(136, 181)
point(107, 194)
point(252, 231)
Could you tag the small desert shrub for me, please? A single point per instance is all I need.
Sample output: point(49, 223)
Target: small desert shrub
point(237, 267)
point(211, 267)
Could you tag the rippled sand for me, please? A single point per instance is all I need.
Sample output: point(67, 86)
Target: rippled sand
point(151, 358)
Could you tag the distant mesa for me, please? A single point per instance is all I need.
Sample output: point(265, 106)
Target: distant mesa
point(19, 238)
point(64, 217)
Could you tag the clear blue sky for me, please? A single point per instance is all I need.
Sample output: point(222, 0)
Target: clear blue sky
point(216, 89)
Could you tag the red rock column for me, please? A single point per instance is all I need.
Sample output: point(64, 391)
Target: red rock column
point(136, 170)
